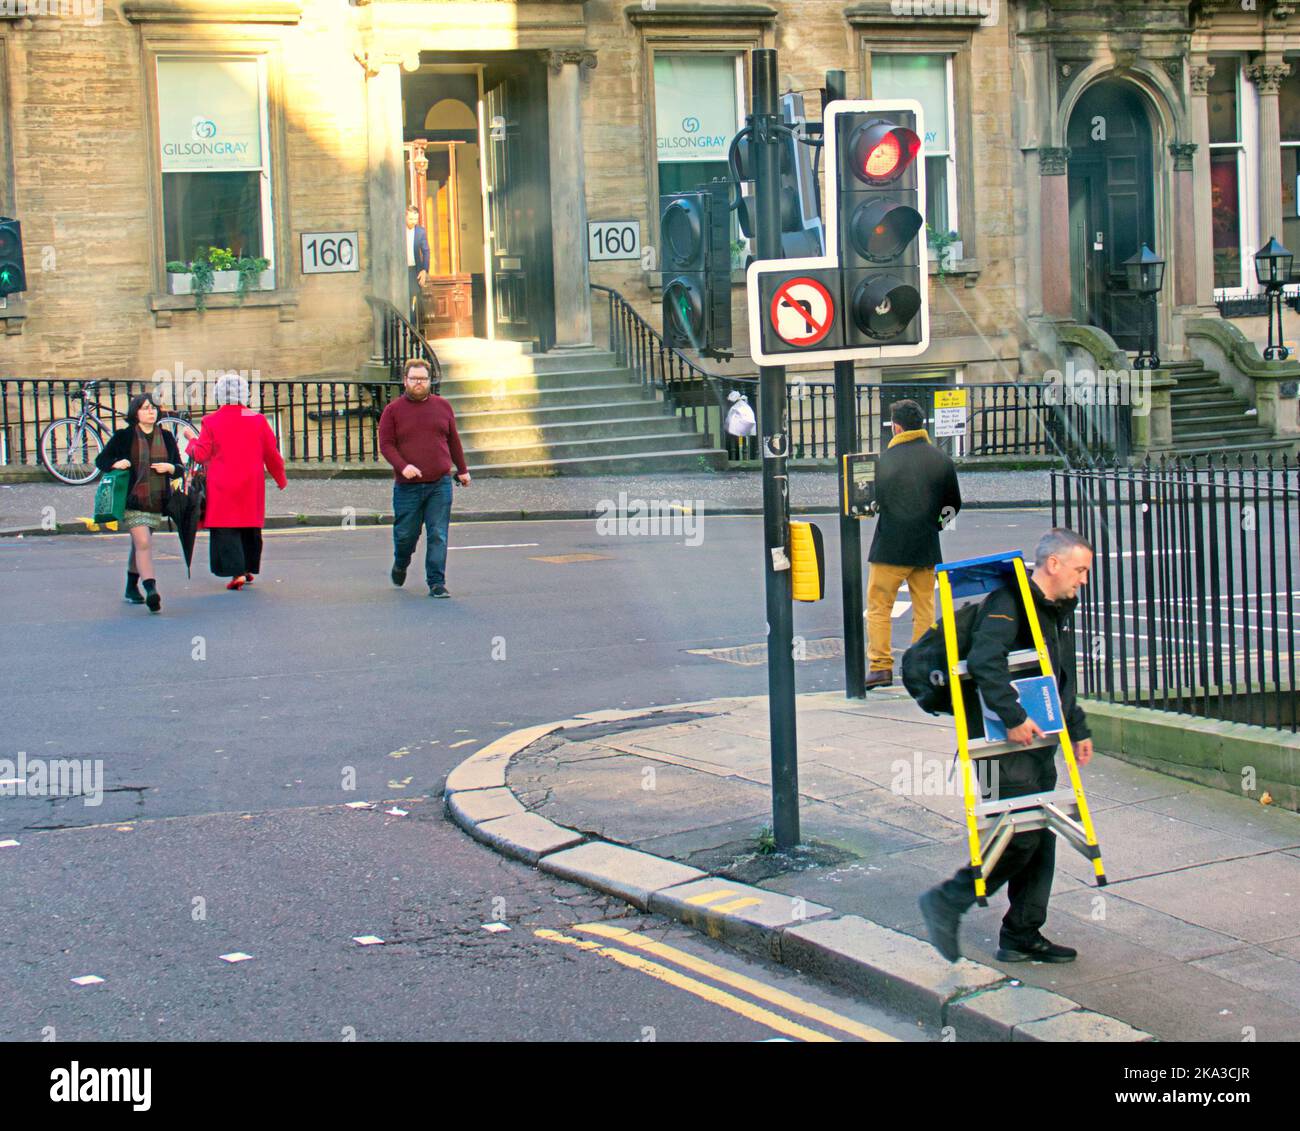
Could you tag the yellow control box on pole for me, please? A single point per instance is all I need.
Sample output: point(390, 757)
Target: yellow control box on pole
point(807, 562)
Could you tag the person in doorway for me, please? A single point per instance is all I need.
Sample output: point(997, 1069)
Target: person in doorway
point(154, 460)
point(417, 262)
point(417, 435)
point(236, 444)
point(1061, 565)
point(917, 494)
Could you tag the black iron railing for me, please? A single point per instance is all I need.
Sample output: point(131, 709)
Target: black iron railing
point(1252, 305)
point(1191, 606)
point(315, 421)
point(400, 341)
point(1004, 419)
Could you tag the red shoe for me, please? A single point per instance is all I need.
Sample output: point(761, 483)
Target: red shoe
point(235, 583)
point(248, 578)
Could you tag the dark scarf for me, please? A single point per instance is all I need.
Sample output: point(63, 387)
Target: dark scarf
point(148, 486)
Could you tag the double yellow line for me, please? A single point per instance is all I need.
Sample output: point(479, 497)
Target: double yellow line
point(710, 993)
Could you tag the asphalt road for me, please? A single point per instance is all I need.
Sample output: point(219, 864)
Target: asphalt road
point(234, 729)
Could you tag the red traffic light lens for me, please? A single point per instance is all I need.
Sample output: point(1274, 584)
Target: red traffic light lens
point(881, 151)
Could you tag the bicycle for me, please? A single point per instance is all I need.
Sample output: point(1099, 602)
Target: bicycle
point(68, 446)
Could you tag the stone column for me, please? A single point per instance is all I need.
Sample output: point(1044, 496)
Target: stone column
point(386, 186)
point(1184, 259)
point(1200, 73)
point(1054, 247)
point(566, 70)
point(1268, 77)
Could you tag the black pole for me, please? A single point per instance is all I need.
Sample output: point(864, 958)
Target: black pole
point(846, 442)
point(776, 482)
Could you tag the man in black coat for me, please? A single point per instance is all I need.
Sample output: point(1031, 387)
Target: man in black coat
point(916, 492)
point(1061, 566)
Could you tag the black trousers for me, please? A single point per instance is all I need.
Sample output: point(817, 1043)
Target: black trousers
point(235, 550)
point(1029, 862)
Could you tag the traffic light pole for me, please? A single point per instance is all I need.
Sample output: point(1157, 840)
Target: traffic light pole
point(776, 483)
point(846, 442)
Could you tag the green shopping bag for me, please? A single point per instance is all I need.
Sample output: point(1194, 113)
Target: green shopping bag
point(110, 496)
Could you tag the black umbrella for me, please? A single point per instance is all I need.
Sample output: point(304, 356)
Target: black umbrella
point(185, 509)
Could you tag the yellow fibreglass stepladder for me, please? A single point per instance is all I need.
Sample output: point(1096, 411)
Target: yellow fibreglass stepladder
point(990, 825)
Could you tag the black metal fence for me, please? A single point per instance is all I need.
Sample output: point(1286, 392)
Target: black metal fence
point(1003, 419)
point(399, 341)
point(1192, 602)
point(316, 421)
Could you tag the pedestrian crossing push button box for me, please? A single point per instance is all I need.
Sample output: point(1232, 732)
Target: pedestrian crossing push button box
point(858, 484)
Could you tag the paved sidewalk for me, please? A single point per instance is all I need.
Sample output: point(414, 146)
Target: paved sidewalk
point(1197, 936)
point(323, 501)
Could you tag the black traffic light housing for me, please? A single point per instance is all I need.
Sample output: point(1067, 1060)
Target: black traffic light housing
point(13, 276)
point(879, 211)
point(695, 243)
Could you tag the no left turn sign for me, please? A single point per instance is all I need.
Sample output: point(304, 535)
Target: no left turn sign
point(802, 312)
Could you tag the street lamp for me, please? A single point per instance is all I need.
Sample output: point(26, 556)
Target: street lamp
point(1146, 275)
point(1273, 269)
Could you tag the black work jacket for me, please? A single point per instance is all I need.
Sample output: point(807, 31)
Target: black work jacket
point(915, 482)
point(1001, 628)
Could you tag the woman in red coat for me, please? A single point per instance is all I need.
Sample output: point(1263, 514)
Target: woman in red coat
point(236, 443)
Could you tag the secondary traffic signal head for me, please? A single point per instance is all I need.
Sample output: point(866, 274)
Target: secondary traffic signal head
point(695, 237)
point(881, 246)
point(13, 278)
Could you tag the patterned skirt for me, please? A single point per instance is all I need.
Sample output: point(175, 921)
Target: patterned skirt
point(131, 519)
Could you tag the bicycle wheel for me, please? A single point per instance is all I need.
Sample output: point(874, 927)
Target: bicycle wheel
point(184, 432)
point(68, 448)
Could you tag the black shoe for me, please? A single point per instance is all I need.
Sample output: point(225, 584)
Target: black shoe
point(1039, 950)
point(942, 922)
point(398, 574)
point(151, 597)
point(878, 679)
point(438, 591)
point(133, 595)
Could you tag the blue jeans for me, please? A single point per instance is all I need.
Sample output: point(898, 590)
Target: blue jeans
point(427, 505)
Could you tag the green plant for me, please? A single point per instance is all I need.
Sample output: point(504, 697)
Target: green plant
point(176, 267)
point(201, 271)
point(249, 268)
point(221, 258)
point(940, 244)
point(766, 841)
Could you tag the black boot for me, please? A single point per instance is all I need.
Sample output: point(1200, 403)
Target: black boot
point(133, 594)
point(151, 597)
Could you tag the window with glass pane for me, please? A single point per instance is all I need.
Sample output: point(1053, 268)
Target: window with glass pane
point(211, 123)
point(1289, 107)
point(925, 78)
point(698, 111)
point(1225, 172)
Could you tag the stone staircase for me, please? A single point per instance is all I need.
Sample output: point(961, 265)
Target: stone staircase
point(569, 413)
point(1210, 419)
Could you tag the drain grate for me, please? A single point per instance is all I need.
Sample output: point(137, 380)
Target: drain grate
point(751, 655)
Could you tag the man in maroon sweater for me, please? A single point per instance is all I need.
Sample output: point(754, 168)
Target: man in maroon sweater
point(417, 435)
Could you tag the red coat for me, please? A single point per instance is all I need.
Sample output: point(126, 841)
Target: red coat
point(236, 443)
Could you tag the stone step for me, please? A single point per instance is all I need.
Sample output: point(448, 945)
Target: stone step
point(493, 384)
point(1210, 439)
point(542, 415)
point(528, 366)
point(548, 435)
point(584, 449)
point(577, 396)
point(630, 463)
point(1217, 406)
point(1229, 425)
point(1260, 448)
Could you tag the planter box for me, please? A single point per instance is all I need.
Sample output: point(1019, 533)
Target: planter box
point(951, 254)
point(223, 282)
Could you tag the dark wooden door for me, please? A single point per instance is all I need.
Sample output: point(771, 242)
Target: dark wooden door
point(519, 203)
point(1111, 206)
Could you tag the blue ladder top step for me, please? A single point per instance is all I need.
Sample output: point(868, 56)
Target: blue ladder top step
point(972, 576)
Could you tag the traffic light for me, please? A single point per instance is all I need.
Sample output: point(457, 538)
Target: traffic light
point(13, 278)
point(866, 297)
point(801, 224)
point(695, 238)
point(807, 562)
point(879, 221)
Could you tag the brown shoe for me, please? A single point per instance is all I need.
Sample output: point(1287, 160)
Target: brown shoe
point(878, 679)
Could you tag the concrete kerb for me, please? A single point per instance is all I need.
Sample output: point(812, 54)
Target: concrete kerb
point(974, 1001)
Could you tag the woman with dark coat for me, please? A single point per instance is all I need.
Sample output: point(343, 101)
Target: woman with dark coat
point(154, 460)
point(236, 444)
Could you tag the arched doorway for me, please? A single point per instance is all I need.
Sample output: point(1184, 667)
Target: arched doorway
point(1112, 194)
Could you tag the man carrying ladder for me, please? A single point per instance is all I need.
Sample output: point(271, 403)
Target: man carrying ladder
point(1027, 864)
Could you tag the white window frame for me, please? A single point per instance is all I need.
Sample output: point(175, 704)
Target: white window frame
point(954, 217)
point(1247, 147)
point(264, 132)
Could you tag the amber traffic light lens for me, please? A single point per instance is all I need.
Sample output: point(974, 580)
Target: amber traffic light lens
point(882, 229)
